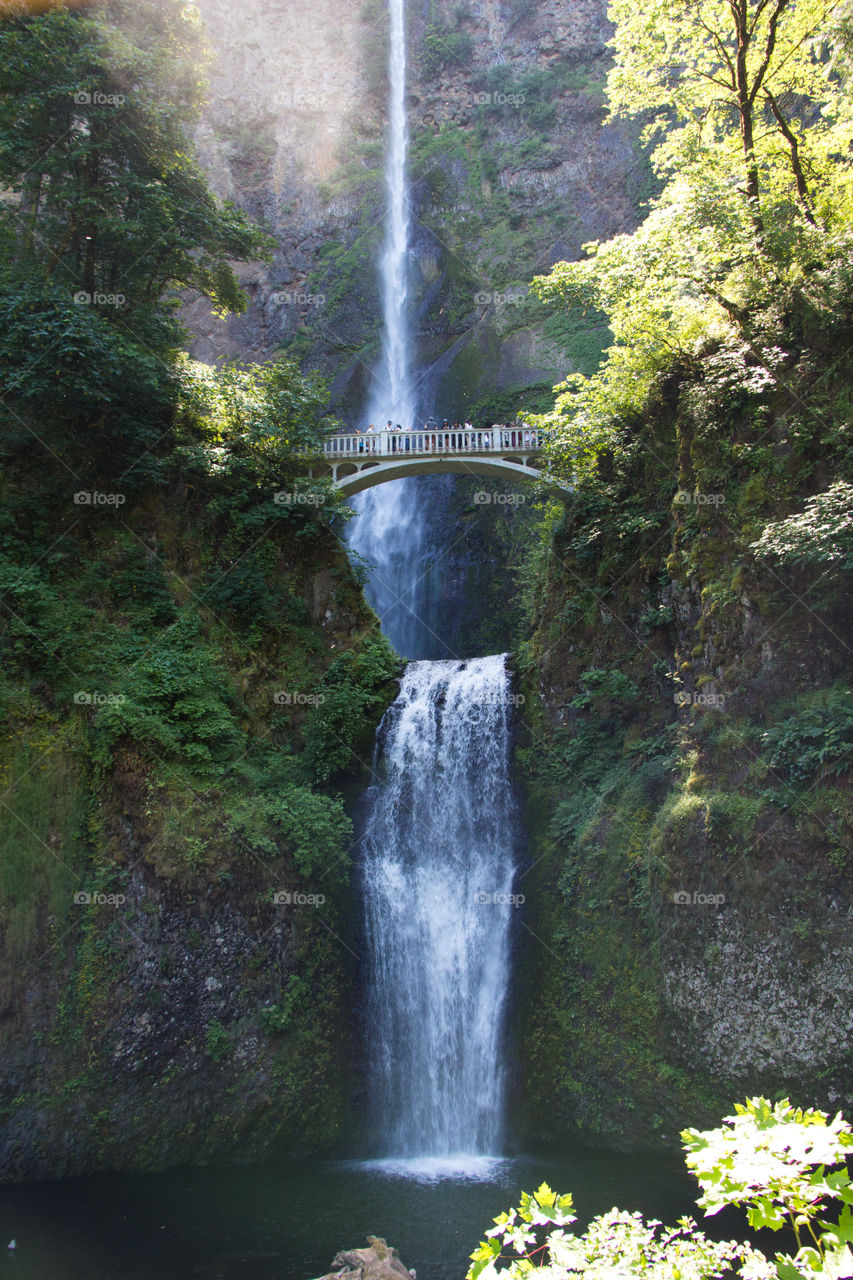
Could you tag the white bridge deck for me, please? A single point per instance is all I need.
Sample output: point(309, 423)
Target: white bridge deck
point(360, 460)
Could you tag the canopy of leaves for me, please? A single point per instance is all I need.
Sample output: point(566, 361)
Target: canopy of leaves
point(101, 193)
point(749, 118)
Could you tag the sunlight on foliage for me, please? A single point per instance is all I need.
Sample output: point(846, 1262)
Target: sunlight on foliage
point(750, 125)
point(781, 1163)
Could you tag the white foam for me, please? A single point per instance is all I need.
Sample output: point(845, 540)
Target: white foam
point(462, 1166)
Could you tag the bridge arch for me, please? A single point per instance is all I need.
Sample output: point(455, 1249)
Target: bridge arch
point(359, 461)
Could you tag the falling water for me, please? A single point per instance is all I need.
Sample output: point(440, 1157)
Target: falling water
point(396, 393)
point(390, 530)
point(438, 866)
point(439, 832)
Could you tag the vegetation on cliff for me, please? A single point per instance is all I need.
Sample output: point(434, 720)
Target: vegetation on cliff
point(188, 665)
point(691, 600)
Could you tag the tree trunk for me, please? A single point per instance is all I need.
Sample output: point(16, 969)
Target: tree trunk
point(745, 111)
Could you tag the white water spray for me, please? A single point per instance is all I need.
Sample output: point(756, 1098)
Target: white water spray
point(438, 866)
point(395, 391)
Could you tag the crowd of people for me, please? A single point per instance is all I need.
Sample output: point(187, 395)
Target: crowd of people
point(438, 436)
point(431, 424)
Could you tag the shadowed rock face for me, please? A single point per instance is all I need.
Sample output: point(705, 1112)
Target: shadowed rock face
point(501, 188)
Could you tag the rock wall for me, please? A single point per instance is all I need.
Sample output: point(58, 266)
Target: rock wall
point(512, 165)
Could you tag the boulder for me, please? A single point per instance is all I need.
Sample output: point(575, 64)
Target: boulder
point(377, 1262)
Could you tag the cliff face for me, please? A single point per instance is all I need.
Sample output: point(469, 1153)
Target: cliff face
point(187, 676)
point(511, 164)
point(689, 767)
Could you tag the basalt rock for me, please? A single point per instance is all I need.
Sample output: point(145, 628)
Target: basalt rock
point(379, 1261)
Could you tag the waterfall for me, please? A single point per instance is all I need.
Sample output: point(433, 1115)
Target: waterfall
point(439, 831)
point(438, 860)
point(389, 531)
point(395, 256)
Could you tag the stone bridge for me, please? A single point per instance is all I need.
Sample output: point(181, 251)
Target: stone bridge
point(360, 460)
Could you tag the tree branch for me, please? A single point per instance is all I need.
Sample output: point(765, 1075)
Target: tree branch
point(794, 146)
point(781, 5)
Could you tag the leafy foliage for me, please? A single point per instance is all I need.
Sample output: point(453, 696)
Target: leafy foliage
point(816, 739)
point(355, 690)
point(750, 127)
point(821, 535)
point(103, 196)
point(785, 1166)
point(781, 1163)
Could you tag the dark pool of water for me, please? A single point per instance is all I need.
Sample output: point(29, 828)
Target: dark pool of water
point(286, 1221)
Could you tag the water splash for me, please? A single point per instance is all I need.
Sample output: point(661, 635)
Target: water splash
point(438, 867)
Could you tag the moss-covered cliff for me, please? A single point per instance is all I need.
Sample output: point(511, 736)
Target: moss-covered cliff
point(189, 669)
point(689, 762)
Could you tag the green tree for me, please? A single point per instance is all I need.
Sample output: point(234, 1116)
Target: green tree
point(101, 192)
point(745, 107)
point(742, 88)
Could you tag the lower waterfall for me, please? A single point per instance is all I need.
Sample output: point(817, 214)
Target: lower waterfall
point(438, 859)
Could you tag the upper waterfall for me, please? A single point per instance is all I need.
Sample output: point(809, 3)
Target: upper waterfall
point(392, 391)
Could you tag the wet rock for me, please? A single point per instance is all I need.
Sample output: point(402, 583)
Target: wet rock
point(379, 1261)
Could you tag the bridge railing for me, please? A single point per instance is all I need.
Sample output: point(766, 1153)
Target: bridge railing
point(387, 443)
